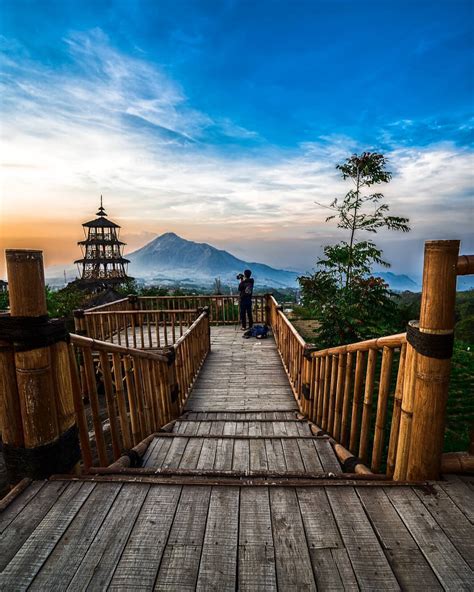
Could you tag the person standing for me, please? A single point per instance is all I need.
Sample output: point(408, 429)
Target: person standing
point(245, 293)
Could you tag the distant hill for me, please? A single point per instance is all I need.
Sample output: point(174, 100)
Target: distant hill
point(397, 282)
point(171, 258)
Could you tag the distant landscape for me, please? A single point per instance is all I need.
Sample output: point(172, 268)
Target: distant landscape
point(170, 260)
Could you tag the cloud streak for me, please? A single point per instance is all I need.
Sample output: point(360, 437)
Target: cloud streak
point(111, 123)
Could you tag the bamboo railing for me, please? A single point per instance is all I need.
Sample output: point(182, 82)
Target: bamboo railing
point(347, 391)
point(142, 390)
point(384, 399)
point(144, 329)
point(223, 310)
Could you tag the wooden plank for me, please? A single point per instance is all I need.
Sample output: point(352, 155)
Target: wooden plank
point(327, 456)
point(318, 519)
point(450, 568)
point(454, 523)
point(257, 569)
point(190, 520)
point(158, 454)
point(208, 455)
point(367, 557)
point(275, 455)
point(258, 455)
point(310, 457)
point(218, 566)
point(241, 460)
point(293, 459)
point(179, 568)
point(175, 452)
point(461, 494)
point(62, 563)
point(140, 560)
point(293, 563)
point(97, 567)
point(333, 569)
point(180, 563)
point(24, 566)
point(405, 558)
point(17, 505)
point(190, 456)
point(20, 528)
point(224, 455)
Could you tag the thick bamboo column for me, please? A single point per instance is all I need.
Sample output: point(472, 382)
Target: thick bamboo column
point(433, 359)
point(50, 442)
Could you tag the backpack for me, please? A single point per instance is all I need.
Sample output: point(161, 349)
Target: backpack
point(257, 331)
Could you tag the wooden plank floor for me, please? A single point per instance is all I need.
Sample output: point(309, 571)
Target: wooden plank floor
point(79, 535)
point(118, 532)
point(241, 375)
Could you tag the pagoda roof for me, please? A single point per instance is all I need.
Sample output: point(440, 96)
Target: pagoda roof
point(101, 222)
point(108, 260)
point(101, 241)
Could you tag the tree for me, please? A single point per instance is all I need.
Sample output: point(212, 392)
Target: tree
point(348, 303)
point(218, 286)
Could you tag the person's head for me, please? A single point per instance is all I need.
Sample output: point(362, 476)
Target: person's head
point(247, 273)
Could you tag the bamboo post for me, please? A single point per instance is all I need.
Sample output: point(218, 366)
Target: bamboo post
point(433, 344)
point(44, 390)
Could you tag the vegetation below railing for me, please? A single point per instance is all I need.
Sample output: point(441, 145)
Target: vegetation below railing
point(123, 394)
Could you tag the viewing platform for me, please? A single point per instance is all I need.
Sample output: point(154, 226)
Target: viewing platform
point(223, 463)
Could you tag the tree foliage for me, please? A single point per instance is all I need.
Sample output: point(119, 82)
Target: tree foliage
point(348, 302)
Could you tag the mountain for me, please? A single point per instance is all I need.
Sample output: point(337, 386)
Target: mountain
point(171, 258)
point(398, 282)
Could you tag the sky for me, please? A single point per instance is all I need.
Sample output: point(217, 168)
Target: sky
point(223, 121)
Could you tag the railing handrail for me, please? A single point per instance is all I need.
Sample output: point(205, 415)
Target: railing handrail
point(108, 347)
point(140, 311)
point(292, 328)
point(189, 330)
point(396, 340)
point(203, 296)
point(107, 304)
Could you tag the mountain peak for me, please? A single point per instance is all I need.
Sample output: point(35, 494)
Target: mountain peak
point(176, 257)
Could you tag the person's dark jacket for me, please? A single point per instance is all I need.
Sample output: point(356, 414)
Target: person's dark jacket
point(246, 288)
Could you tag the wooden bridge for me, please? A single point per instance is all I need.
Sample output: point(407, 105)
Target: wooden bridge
point(216, 462)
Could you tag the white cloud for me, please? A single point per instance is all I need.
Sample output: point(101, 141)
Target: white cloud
point(115, 124)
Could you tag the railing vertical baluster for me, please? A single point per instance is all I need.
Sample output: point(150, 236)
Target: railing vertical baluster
point(356, 400)
point(94, 403)
point(336, 428)
point(367, 404)
point(79, 410)
point(327, 384)
point(397, 409)
point(109, 398)
point(346, 400)
point(382, 400)
point(121, 404)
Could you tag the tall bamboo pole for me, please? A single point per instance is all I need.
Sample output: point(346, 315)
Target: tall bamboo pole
point(432, 367)
point(44, 389)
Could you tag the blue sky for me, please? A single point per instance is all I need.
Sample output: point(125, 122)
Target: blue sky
point(204, 117)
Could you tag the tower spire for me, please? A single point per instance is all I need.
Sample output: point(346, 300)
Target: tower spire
point(101, 211)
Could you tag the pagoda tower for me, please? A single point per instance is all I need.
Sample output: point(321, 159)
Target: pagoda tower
point(102, 264)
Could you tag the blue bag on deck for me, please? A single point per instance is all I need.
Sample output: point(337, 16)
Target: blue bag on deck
point(258, 331)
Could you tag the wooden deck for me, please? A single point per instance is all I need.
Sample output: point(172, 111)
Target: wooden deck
point(243, 498)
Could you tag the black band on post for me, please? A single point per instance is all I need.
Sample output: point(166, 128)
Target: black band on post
point(135, 458)
point(27, 333)
point(430, 345)
point(349, 465)
point(40, 462)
